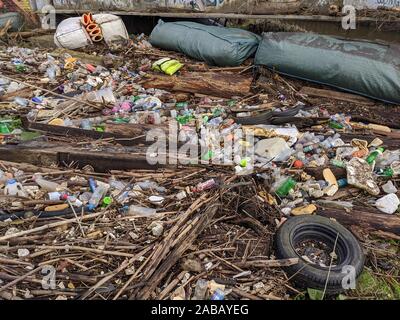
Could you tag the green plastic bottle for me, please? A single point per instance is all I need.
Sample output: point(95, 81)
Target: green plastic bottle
point(4, 128)
point(388, 172)
point(338, 163)
point(373, 155)
point(285, 188)
point(182, 105)
point(335, 125)
point(20, 68)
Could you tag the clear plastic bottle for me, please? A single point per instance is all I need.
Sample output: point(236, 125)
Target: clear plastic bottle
point(45, 184)
point(14, 188)
point(141, 211)
point(218, 295)
point(116, 184)
point(86, 124)
point(209, 184)
point(3, 177)
point(200, 290)
point(97, 196)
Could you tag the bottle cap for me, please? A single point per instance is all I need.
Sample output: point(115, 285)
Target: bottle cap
point(107, 200)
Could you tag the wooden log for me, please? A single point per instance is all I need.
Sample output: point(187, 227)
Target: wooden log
point(268, 263)
point(125, 134)
point(218, 84)
point(65, 155)
point(390, 140)
point(336, 95)
point(380, 224)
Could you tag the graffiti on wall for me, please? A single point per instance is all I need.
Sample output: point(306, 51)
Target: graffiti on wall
point(199, 5)
point(372, 4)
point(21, 6)
point(15, 5)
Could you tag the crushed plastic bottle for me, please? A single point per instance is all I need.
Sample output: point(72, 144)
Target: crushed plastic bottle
point(3, 177)
point(201, 289)
point(45, 184)
point(218, 295)
point(141, 211)
point(207, 185)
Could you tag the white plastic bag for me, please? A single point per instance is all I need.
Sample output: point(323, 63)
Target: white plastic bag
point(112, 26)
point(71, 34)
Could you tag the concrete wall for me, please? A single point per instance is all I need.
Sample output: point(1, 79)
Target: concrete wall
point(234, 6)
point(321, 6)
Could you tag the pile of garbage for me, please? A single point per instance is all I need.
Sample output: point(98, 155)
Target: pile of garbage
point(172, 177)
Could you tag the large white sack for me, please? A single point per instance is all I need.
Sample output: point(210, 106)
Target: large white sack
point(112, 26)
point(71, 34)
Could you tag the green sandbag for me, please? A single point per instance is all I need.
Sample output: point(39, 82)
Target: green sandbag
point(361, 67)
point(15, 19)
point(215, 45)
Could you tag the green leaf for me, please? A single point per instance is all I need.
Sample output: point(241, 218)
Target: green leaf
point(315, 294)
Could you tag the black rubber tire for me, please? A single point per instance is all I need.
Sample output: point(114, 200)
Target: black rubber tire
point(309, 275)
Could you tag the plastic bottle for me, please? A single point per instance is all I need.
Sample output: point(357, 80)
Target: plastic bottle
point(21, 101)
point(209, 184)
point(388, 172)
point(54, 196)
point(97, 195)
point(200, 290)
point(335, 125)
point(45, 184)
point(284, 189)
point(218, 295)
point(338, 163)
point(116, 184)
point(308, 149)
point(375, 154)
point(51, 72)
point(20, 68)
point(141, 211)
point(149, 185)
point(72, 199)
point(92, 184)
point(86, 124)
point(4, 128)
point(3, 177)
point(14, 188)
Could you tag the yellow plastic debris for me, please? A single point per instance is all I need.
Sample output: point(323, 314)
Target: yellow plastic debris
point(57, 122)
point(167, 65)
point(305, 210)
point(59, 207)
